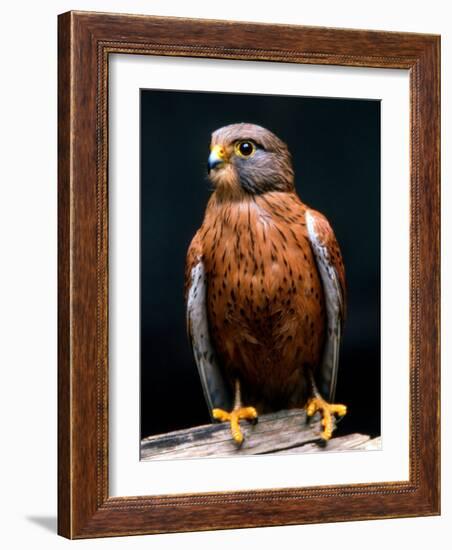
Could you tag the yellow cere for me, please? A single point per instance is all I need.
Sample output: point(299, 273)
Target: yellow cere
point(217, 150)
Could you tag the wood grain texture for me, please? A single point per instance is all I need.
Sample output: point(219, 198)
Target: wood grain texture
point(283, 432)
point(85, 42)
point(64, 297)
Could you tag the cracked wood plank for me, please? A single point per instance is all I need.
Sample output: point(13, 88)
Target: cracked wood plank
point(283, 432)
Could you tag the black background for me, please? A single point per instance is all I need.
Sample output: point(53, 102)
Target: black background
point(335, 145)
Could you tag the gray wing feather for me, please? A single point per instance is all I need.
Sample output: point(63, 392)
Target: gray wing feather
point(334, 306)
point(216, 391)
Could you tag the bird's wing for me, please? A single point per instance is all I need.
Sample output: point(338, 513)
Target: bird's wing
point(216, 390)
point(331, 269)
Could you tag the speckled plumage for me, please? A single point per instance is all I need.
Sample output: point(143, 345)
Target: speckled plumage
point(264, 296)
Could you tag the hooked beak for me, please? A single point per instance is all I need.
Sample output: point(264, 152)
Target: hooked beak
point(216, 157)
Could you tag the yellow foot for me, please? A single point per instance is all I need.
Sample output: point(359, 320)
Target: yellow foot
point(241, 413)
point(328, 409)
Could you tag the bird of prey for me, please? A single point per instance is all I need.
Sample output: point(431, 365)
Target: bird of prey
point(264, 287)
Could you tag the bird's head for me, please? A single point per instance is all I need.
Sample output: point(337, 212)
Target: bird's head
point(248, 159)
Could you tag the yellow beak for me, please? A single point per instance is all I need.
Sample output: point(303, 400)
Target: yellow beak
point(216, 157)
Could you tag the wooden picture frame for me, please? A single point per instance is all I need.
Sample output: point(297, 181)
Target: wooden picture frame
point(85, 42)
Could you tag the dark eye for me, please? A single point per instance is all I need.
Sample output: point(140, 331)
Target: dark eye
point(245, 148)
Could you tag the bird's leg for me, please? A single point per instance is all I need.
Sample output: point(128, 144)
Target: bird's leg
point(317, 403)
point(238, 413)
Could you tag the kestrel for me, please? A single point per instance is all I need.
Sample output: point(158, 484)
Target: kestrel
point(264, 287)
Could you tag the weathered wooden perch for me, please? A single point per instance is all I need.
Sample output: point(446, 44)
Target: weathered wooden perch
point(284, 432)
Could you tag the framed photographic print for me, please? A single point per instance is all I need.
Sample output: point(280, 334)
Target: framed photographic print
point(339, 130)
point(248, 274)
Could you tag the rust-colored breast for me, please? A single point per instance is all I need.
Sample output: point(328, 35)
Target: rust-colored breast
point(264, 297)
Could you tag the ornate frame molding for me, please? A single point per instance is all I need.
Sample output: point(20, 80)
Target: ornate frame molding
point(85, 42)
